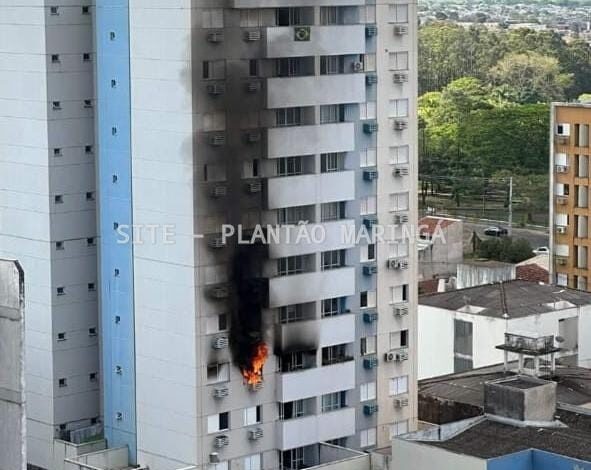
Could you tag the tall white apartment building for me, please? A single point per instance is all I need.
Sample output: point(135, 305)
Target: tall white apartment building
point(47, 209)
point(292, 113)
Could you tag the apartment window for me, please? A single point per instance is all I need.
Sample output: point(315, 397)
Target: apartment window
point(288, 117)
point(367, 391)
point(293, 459)
point(332, 211)
point(291, 215)
point(290, 313)
point(399, 155)
point(290, 265)
point(398, 385)
point(398, 428)
point(368, 205)
point(252, 415)
point(218, 422)
point(214, 173)
point(59, 245)
point(332, 113)
point(63, 382)
point(90, 196)
point(367, 158)
point(61, 291)
point(289, 166)
point(291, 410)
point(57, 152)
point(91, 287)
point(331, 16)
point(214, 69)
point(288, 16)
point(332, 307)
point(88, 149)
point(288, 67)
point(253, 68)
point(334, 401)
point(333, 259)
point(86, 57)
point(85, 10)
point(368, 110)
point(398, 108)
point(330, 162)
point(332, 64)
point(93, 377)
point(92, 331)
point(90, 242)
point(367, 299)
point(212, 18)
point(54, 10)
point(218, 466)
point(367, 437)
point(252, 462)
point(61, 336)
point(334, 354)
point(398, 248)
point(251, 18)
point(399, 202)
point(398, 13)
point(399, 339)
point(55, 58)
point(218, 373)
point(292, 361)
point(88, 103)
point(398, 60)
point(367, 14)
point(369, 62)
point(222, 321)
point(368, 252)
point(368, 345)
point(214, 121)
point(250, 169)
point(56, 105)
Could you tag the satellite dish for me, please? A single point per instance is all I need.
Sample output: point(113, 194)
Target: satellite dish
point(559, 339)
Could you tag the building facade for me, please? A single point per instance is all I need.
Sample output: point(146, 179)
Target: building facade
point(47, 210)
point(569, 192)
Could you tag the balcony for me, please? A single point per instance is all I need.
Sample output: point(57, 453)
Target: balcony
point(291, 3)
point(308, 430)
point(310, 140)
point(328, 331)
point(317, 381)
point(291, 92)
point(310, 287)
point(334, 238)
point(324, 40)
point(303, 190)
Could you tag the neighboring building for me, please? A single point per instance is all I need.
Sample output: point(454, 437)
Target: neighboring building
point(460, 329)
point(13, 445)
point(522, 429)
point(482, 272)
point(272, 112)
point(441, 246)
point(534, 269)
point(569, 194)
point(47, 210)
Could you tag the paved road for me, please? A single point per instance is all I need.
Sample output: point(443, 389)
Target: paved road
point(535, 237)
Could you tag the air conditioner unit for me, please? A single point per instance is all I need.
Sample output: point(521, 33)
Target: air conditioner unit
point(402, 356)
point(214, 457)
point(221, 392)
point(562, 200)
point(370, 127)
point(560, 229)
point(400, 219)
point(370, 362)
point(369, 222)
point(253, 87)
point(400, 310)
point(400, 171)
point(216, 242)
point(255, 434)
point(219, 292)
point(561, 260)
point(215, 36)
point(370, 317)
point(561, 169)
point(357, 66)
point(257, 386)
point(390, 356)
point(216, 89)
point(219, 190)
point(400, 402)
point(400, 77)
point(370, 175)
point(252, 36)
point(370, 409)
point(400, 29)
point(371, 79)
point(217, 140)
point(254, 187)
point(220, 342)
point(400, 124)
point(563, 139)
point(253, 137)
point(370, 269)
point(397, 263)
point(221, 441)
point(371, 30)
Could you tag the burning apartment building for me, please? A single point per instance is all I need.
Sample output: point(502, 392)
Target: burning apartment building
point(217, 354)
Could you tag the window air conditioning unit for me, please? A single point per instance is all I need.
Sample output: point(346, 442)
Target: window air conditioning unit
point(221, 342)
point(560, 229)
point(400, 219)
point(400, 29)
point(357, 66)
point(255, 434)
point(216, 89)
point(221, 441)
point(253, 137)
point(400, 77)
point(252, 36)
point(400, 124)
point(561, 169)
point(400, 171)
point(214, 457)
point(216, 36)
point(256, 386)
point(370, 317)
point(370, 409)
point(400, 402)
point(400, 310)
point(370, 175)
point(221, 392)
point(562, 200)
point(370, 269)
point(216, 242)
point(397, 263)
point(371, 79)
point(219, 292)
point(370, 362)
point(217, 140)
point(254, 187)
point(562, 139)
point(561, 260)
point(371, 30)
point(370, 127)
point(401, 356)
point(369, 222)
point(253, 87)
point(219, 190)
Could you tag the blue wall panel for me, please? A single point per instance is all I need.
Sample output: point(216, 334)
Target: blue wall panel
point(534, 459)
point(115, 207)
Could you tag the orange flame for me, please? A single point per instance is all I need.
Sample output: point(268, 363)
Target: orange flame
point(253, 373)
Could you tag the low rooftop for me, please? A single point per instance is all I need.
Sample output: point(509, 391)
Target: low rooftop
point(516, 298)
point(428, 224)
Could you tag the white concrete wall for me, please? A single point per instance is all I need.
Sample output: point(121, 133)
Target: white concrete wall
point(409, 454)
point(436, 342)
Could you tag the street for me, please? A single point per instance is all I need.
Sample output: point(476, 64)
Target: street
point(535, 237)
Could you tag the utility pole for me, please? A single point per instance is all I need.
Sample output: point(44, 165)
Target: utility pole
point(510, 206)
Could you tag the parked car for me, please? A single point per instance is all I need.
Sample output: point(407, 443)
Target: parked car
point(495, 231)
point(541, 250)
